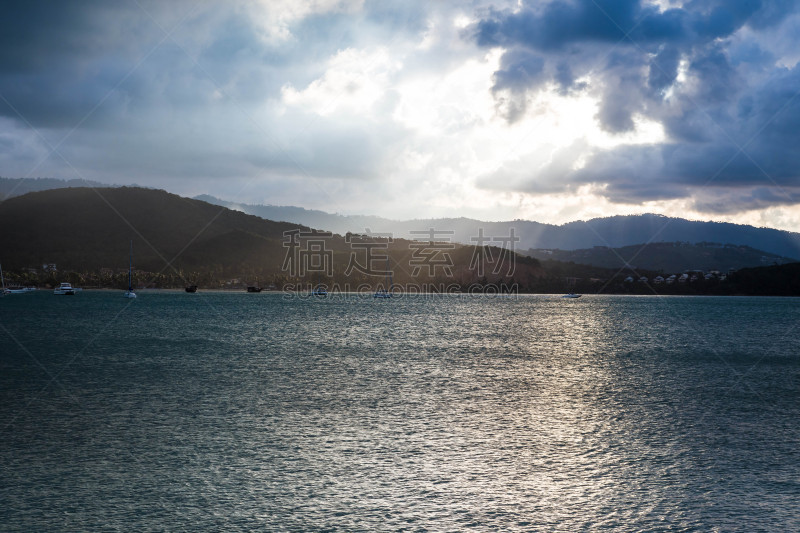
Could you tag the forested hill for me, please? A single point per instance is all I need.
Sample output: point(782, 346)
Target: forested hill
point(85, 228)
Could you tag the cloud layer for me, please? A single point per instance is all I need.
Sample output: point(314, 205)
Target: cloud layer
point(475, 108)
point(719, 76)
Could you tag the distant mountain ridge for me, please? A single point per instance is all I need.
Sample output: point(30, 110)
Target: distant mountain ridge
point(177, 241)
point(313, 218)
point(11, 187)
point(669, 257)
point(614, 232)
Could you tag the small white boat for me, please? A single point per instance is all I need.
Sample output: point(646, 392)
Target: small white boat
point(18, 290)
point(129, 293)
point(65, 289)
point(572, 295)
point(319, 291)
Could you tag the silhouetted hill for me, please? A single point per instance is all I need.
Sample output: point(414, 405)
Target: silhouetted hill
point(82, 228)
point(621, 231)
point(668, 257)
point(614, 232)
point(88, 230)
point(777, 280)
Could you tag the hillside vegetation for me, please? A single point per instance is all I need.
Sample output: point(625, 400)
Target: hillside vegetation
point(89, 230)
point(86, 232)
point(667, 257)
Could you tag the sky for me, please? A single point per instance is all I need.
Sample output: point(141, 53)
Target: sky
point(545, 110)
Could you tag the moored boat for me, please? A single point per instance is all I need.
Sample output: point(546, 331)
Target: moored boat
point(3, 290)
point(18, 290)
point(191, 288)
point(320, 290)
point(385, 292)
point(130, 292)
point(64, 289)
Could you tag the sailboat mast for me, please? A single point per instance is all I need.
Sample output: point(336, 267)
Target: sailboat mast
point(130, 269)
point(388, 275)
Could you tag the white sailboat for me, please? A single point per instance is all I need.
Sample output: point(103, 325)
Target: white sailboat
point(387, 291)
point(320, 289)
point(129, 293)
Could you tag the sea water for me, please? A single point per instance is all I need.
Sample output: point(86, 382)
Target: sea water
point(236, 411)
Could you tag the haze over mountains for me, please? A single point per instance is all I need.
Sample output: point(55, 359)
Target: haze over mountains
point(612, 232)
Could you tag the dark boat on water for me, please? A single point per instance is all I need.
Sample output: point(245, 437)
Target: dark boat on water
point(254, 289)
point(191, 288)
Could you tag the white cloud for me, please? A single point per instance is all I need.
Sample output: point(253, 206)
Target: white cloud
point(386, 108)
point(274, 18)
point(354, 82)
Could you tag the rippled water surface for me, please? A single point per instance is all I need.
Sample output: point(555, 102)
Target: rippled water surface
point(254, 411)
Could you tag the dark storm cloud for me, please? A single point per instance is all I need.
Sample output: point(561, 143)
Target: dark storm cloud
point(149, 91)
point(754, 148)
point(59, 60)
point(664, 68)
point(519, 70)
point(734, 124)
point(38, 34)
point(44, 47)
point(557, 24)
point(738, 199)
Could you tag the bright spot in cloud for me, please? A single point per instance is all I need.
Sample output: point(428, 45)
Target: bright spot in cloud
point(354, 82)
